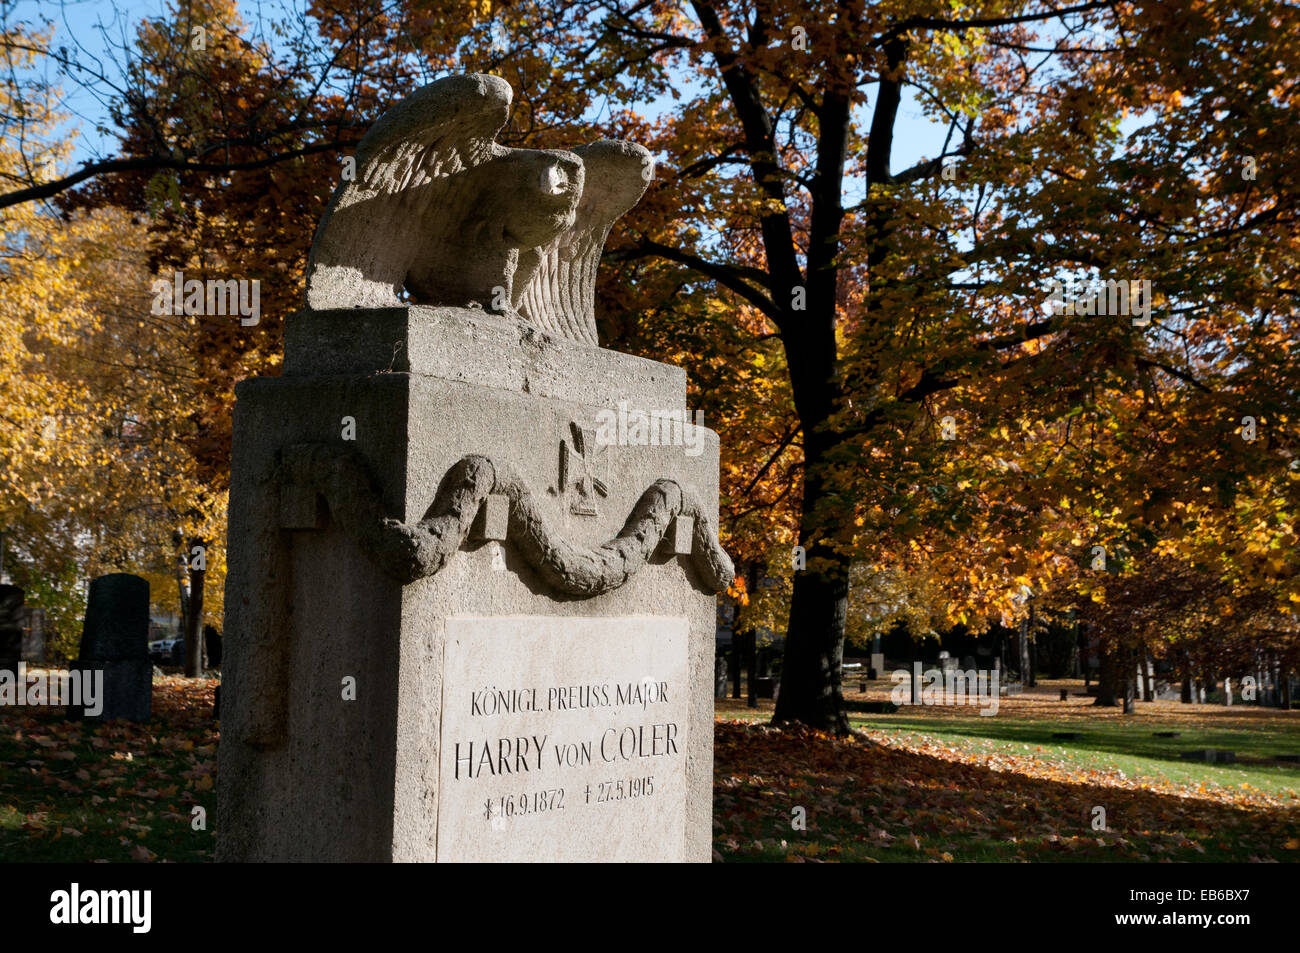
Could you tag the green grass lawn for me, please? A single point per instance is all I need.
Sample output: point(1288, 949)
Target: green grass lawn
point(1117, 745)
point(78, 791)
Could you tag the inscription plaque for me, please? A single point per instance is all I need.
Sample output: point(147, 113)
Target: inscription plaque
point(563, 739)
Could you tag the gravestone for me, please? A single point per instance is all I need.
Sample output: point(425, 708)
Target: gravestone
point(470, 602)
point(33, 620)
point(11, 627)
point(212, 645)
point(115, 641)
point(1210, 756)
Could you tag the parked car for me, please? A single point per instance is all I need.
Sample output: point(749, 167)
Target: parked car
point(161, 651)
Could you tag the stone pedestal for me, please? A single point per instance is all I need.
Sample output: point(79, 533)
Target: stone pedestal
point(514, 697)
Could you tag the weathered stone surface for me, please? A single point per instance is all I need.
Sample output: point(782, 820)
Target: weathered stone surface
point(667, 513)
point(494, 517)
point(440, 212)
point(468, 345)
point(681, 539)
point(564, 739)
point(306, 775)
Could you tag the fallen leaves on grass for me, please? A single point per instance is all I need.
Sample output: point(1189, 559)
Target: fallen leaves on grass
point(1056, 769)
point(124, 790)
point(876, 802)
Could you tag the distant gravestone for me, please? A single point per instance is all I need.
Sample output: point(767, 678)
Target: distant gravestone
point(33, 634)
point(877, 665)
point(1210, 756)
point(115, 641)
point(212, 645)
point(11, 627)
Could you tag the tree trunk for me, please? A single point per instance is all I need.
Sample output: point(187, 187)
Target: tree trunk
point(182, 588)
point(197, 563)
point(737, 656)
point(751, 652)
point(814, 644)
point(1106, 678)
point(814, 650)
point(1128, 679)
point(1026, 665)
point(915, 673)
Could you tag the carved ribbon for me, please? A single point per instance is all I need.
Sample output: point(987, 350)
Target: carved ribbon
point(408, 552)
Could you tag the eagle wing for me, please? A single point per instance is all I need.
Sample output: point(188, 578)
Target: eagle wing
point(406, 169)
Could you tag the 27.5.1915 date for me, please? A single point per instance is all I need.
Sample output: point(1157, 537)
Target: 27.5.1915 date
point(621, 789)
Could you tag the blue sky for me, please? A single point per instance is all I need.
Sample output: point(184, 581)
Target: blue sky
point(81, 25)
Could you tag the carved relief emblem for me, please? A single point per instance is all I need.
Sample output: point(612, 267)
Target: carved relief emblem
point(580, 463)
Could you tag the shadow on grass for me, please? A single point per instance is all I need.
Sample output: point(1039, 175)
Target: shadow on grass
point(864, 802)
point(1112, 736)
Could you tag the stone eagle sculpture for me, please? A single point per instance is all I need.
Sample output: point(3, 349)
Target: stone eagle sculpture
point(439, 213)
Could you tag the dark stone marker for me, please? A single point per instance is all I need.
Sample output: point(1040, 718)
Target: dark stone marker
point(872, 708)
point(1168, 734)
point(212, 645)
point(1210, 755)
point(115, 640)
point(11, 627)
point(1065, 694)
